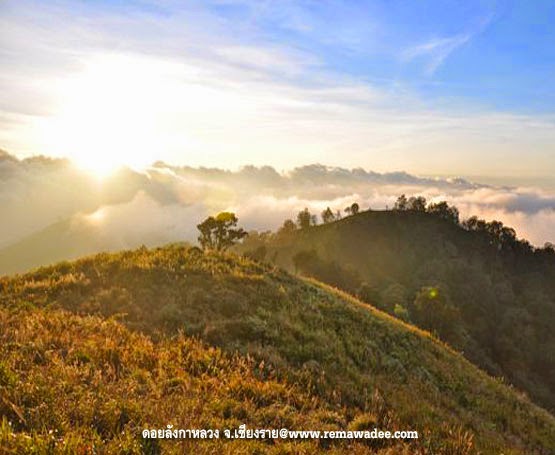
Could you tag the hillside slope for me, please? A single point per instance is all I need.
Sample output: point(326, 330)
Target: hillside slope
point(81, 385)
point(492, 298)
point(324, 347)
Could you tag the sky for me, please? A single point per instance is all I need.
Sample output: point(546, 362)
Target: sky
point(433, 88)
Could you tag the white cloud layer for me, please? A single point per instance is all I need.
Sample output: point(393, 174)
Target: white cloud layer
point(165, 203)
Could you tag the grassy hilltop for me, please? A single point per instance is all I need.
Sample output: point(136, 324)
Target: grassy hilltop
point(95, 350)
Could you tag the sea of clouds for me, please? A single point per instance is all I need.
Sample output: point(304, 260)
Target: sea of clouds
point(165, 203)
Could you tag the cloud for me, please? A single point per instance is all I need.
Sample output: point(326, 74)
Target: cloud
point(436, 50)
point(140, 221)
point(178, 82)
point(273, 60)
point(164, 203)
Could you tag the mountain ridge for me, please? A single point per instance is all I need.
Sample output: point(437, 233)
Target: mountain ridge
point(496, 292)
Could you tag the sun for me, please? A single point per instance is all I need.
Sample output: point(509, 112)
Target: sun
point(104, 120)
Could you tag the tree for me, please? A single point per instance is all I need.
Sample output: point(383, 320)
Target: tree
point(401, 312)
point(255, 244)
point(401, 203)
point(474, 224)
point(305, 219)
point(497, 234)
point(353, 209)
point(369, 294)
point(328, 216)
point(287, 228)
point(219, 232)
point(394, 294)
point(434, 311)
point(416, 204)
point(444, 211)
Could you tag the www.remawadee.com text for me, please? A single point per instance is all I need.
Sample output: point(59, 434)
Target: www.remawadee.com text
point(242, 432)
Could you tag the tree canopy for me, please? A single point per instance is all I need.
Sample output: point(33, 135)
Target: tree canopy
point(328, 216)
point(220, 232)
point(305, 219)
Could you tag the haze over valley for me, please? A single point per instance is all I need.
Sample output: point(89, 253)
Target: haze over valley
point(53, 201)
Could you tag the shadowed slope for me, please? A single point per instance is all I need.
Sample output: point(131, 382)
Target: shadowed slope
point(499, 292)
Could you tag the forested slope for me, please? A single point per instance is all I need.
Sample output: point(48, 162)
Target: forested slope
point(474, 284)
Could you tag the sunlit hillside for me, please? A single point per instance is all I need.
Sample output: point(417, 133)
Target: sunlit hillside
point(96, 350)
